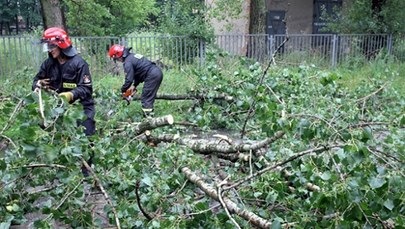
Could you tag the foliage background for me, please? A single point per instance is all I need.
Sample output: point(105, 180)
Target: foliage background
point(360, 184)
point(358, 16)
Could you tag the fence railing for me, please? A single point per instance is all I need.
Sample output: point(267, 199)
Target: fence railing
point(17, 52)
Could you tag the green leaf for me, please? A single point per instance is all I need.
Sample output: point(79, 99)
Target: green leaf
point(326, 176)
point(13, 208)
point(28, 147)
point(146, 180)
point(5, 225)
point(257, 194)
point(276, 224)
point(366, 134)
point(9, 208)
point(3, 165)
point(389, 204)
point(271, 197)
point(376, 182)
point(402, 122)
point(59, 110)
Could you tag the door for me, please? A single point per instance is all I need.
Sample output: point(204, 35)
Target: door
point(275, 22)
point(323, 6)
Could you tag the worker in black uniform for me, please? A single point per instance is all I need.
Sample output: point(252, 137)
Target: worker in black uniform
point(138, 69)
point(68, 74)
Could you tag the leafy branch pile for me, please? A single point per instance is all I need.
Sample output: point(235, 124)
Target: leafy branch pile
point(313, 154)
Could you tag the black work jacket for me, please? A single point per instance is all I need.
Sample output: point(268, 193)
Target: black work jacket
point(73, 75)
point(136, 69)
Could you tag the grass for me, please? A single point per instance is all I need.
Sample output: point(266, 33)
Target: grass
point(180, 81)
point(353, 77)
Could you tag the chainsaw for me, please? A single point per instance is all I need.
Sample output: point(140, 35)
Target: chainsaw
point(127, 95)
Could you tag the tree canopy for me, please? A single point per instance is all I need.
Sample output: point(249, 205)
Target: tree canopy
point(108, 17)
point(364, 16)
point(30, 11)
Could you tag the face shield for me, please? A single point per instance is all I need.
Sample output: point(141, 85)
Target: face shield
point(47, 47)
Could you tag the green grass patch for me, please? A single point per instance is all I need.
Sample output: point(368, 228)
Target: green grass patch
point(394, 73)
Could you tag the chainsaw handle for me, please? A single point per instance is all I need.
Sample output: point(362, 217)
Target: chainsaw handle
point(127, 99)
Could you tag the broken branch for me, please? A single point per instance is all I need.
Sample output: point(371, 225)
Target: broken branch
point(230, 205)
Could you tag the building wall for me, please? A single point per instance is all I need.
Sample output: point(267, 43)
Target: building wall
point(232, 26)
point(299, 16)
point(299, 19)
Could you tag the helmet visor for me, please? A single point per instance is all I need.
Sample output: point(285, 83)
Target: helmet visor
point(47, 47)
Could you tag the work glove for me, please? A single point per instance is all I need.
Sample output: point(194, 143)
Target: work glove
point(68, 95)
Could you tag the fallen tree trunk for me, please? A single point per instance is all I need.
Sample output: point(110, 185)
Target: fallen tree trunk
point(189, 97)
point(152, 123)
point(206, 146)
point(232, 207)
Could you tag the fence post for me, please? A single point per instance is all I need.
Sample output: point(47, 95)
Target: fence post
point(271, 45)
point(334, 50)
point(202, 53)
point(389, 45)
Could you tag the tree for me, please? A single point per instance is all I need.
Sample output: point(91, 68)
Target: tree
point(13, 11)
point(364, 16)
point(257, 17)
point(52, 14)
point(30, 10)
point(8, 10)
point(107, 17)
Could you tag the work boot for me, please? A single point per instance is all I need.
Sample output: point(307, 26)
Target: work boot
point(148, 113)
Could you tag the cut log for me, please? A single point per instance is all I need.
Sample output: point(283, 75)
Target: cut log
point(153, 123)
point(232, 207)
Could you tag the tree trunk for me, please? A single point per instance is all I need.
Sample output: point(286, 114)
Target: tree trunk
point(16, 24)
point(52, 14)
point(257, 25)
point(221, 96)
point(205, 146)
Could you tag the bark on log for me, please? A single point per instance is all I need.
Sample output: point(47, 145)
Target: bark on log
point(232, 207)
point(161, 138)
point(189, 97)
point(206, 146)
point(153, 123)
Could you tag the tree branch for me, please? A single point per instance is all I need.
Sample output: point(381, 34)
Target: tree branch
point(275, 166)
point(106, 196)
point(230, 205)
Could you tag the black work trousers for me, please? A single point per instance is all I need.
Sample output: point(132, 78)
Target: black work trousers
point(89, 123)
point(151, 86)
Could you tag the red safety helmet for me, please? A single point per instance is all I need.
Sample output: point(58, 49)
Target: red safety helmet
point(56, 36)
point(116, 51)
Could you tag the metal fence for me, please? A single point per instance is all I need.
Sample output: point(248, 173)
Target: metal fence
point(19, 52)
